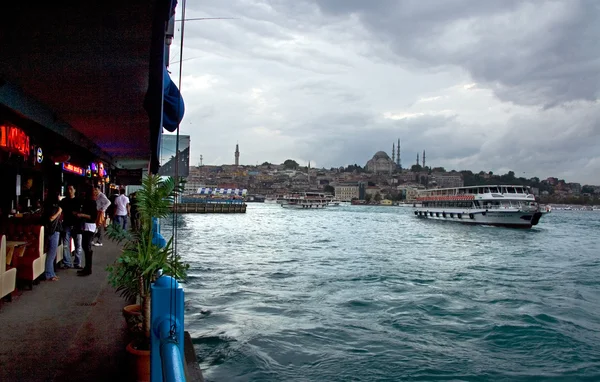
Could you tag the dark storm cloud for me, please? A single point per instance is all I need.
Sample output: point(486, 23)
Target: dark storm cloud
point(481, 85)
point(528, 52)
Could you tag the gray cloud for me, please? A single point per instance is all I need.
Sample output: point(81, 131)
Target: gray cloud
point(503, 85)
point(528, 52)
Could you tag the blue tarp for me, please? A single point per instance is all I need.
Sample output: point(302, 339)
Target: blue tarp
point(173, 108)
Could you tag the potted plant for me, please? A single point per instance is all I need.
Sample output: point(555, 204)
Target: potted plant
point(142, 258)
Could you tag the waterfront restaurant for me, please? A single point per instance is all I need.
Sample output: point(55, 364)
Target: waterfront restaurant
point(82, 92)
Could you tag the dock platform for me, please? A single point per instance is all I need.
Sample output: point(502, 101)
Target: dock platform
point(68, 330)
point(210, 208)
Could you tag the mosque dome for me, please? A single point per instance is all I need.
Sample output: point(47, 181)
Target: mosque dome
point(381, 155)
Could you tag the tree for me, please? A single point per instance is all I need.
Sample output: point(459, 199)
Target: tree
point(438, 169)
point(367, 198)
point(290, 164)
point(416, 168)
point(377, 197)
point(266, 164)
point(329, 189)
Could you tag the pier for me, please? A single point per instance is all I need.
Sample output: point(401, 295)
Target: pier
point(210, 208)
point(71, 329)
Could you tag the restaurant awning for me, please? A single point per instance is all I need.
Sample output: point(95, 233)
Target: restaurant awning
point(86, 65)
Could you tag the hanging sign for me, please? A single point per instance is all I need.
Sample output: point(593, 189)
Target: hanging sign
point(39, 155)
point(68, 167)
point(14, 139)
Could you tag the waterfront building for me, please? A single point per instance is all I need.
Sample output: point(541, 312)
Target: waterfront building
point(347, 192)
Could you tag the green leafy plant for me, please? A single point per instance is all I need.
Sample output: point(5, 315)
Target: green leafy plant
point(137, 267)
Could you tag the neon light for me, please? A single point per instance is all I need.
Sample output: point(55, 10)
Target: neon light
point(73, 169)
point(14, 139)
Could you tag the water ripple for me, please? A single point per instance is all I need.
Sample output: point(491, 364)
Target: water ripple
point(373, 294)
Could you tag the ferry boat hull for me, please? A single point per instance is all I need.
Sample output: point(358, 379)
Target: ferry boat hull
point(500, 218)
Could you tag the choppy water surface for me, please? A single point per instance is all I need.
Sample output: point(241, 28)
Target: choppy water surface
point(374, 294)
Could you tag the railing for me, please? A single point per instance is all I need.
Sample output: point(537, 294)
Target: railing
point(166, 320)
point(166, 335)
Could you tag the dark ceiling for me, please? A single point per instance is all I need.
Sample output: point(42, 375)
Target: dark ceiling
point(87, 61)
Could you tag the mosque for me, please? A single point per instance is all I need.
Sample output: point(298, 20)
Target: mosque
point(381, 163)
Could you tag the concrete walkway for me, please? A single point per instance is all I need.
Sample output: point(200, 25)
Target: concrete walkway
point(68, 330)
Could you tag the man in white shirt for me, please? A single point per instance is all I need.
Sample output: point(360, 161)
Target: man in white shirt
point(122, 209)
point(102, 203)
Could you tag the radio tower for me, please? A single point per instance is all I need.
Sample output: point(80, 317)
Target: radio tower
point(423, 158)
point(200, 165)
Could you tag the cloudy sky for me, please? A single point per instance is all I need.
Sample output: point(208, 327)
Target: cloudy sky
point(481, 85)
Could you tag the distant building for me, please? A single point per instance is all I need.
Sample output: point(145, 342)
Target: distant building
point(447, 179)
point(575, 188)
point(347, 192)
point(409, 192)
point(237, 155)
point(381, 163)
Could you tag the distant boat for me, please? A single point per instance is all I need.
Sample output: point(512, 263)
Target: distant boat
point(307, 200)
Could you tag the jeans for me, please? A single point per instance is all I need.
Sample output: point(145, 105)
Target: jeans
point(51, 255)
point(67, 262)
point(87, 248)
point(99, 234)
point(121, 220)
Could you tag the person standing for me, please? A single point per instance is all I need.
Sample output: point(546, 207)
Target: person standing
point(122, 209)
point(102, 204)
point(87, 214)
point(52, 227)
point(70, 206)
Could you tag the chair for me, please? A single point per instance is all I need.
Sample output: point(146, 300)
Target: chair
point(33, 262)
point(8, 277)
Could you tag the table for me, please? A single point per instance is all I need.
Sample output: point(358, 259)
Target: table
point(13, 247)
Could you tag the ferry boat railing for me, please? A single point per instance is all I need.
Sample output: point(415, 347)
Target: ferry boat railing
point(167, 325)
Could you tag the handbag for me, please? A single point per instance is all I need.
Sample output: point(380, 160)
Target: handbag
point(100, 219)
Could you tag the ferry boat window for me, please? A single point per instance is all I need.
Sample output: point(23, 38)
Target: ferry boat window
point(511, 190)
point(494, 189)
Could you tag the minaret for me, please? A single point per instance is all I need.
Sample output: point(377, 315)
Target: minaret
point(423, 158)
point(237, 154)
point(417, 159)
point(308, 173)
point(394, 152)
point(398, 155)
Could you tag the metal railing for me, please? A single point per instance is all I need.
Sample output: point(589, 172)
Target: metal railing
point(166, 335)
point(166, 322)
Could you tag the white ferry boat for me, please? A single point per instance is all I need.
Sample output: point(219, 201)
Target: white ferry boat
point(500, 205)
point(307, 200)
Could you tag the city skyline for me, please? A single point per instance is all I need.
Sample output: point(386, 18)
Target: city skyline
point(332, 82)
point(420, 159)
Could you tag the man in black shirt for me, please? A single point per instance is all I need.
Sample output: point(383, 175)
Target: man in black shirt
point(71, 206)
